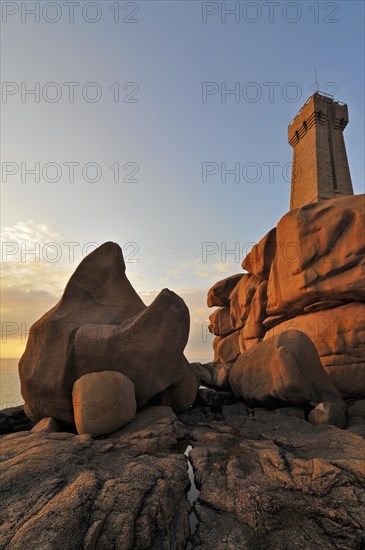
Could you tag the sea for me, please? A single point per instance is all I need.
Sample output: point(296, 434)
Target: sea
point(10, 395)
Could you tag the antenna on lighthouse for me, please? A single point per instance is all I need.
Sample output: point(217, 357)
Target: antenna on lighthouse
point(316, 83)
point(315, 86)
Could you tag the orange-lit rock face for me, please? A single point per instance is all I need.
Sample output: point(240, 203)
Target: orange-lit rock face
point(319, 256)
point(241, 298)
point(259, 260)
point(339, 336)
point(218, 295)
point(307, 274)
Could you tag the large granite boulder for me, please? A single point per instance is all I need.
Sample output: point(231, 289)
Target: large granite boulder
point(180, 395)
point(285, 368)
point(218, 295)
point(240, 299)
point(319, 256)
point(339, 336)
point(258, 261)
point(148, 348)
point(253, 327)
point(99, 324)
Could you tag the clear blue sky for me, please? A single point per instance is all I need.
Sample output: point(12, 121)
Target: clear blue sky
point(168, 133)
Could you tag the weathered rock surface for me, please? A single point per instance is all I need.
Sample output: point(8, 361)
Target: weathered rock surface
point(284, 368)
point(145, 417)
point(259, 260)
point(218, 295)
point(339, 336)
point(267, 479)
point(154, 429)
point(65, 491)
point(254, 327)
point(272, 481)
point(241, 298)
point(101, 324)
point(103, 402)
point(319, 256)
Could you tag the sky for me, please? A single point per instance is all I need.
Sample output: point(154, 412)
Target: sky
point(122, 121)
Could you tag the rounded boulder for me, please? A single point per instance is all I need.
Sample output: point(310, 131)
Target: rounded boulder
point(103, 402)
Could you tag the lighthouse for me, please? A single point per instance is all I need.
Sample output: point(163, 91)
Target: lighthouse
point(320, 166)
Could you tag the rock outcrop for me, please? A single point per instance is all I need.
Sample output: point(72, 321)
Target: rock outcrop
point(101, 324)
point(285, 369)
point(61, 490)
point(305, 274)
point(261, 479)
point(271, 480)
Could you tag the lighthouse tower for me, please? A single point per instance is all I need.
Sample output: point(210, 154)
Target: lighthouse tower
point(320, 166)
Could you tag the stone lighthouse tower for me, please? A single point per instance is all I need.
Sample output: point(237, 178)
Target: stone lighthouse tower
point(320, 166)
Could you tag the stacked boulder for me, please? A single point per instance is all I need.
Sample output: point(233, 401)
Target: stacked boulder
point(238, 322)
point(307, 274)
point(100, 353)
